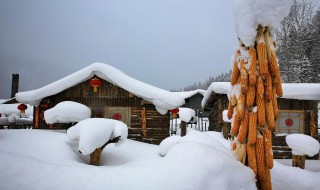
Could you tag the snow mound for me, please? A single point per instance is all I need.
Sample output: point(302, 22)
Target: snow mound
point(210, 139)
point(303, 144)
point(93, 133)
point(186, 114)
point(200, 166)
point(248, 14)
point(66, 112)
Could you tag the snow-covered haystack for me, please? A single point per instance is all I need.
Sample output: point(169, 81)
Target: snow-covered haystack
point(211, 155)
point(67, 112)
point(303, 144)
point(93, 133)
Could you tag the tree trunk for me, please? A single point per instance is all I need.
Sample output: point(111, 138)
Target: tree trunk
point(95, 157)
point(298, 161)
point(183, 127)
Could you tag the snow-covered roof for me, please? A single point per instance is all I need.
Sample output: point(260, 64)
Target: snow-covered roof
point(299, 91)
point(2, 101)
point(188, 94)
point(162, 99)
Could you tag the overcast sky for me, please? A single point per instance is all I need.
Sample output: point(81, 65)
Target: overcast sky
point(165, 43)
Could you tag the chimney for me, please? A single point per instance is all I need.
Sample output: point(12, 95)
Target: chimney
point(15, 84)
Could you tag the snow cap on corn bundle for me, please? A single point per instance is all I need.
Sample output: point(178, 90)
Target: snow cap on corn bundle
point(248, 14)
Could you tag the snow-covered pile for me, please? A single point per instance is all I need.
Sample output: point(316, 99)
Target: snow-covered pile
point(303, 144)
point(217, 157)
point(93, 133)
point(211, 138)
point(162, 99)
point(186, 114)
point(248, 14)
point(26, 155)
point(66, 112)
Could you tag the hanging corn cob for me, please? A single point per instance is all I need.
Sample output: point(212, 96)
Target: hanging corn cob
point(255, 109)
point(313, 130)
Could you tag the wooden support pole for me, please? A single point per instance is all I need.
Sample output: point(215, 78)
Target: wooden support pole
point(298, 161)
point(183, 127)
point(95, 155)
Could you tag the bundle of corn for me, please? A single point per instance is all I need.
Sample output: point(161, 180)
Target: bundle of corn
point(313, 130)
point(256, 83)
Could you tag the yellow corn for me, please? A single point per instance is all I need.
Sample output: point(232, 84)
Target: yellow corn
point(268, 87)
point(253, 66)
point(252, 134)
point(261, 110)
point(244, 78)
point(260, 87)
point(269, 114)
point(240, 106)
point(250, 96)
point(243, 131)
point(268, 148)
point(235, 125)
point(230, 110)
point(235, 73)
point(261, 166)
point(275, 103)
point(252, 161)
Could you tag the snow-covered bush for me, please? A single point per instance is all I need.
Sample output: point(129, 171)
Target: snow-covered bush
point(67, 112)
point(93, 133)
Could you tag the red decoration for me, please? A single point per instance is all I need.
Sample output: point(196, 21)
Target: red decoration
point(95, 83)
point(289, 122)
point(117, 116)
point(22, 108)
point(174, 112)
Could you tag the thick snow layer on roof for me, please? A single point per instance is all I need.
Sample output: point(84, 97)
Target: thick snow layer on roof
point(303, 144)
point(218, 88)
point(162, 99)
point(66, 112)
point(186, 114)
point(248, 14)
point(9, 109)
point(299, 91)
point(93, 133)
point(188, 94)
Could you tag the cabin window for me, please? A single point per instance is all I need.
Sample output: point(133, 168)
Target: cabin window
point(290, 121)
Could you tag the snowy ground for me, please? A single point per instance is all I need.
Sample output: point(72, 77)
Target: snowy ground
point(35, 159)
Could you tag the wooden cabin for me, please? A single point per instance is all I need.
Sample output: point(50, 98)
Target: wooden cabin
point(295, 108)
point(116, 97)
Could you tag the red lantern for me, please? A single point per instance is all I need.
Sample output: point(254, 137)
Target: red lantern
point(174, 112)
point(95, 83)
point(117, 116)
point(22, 108)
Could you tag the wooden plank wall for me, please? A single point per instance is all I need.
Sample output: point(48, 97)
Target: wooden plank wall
point(109, 95)
point(280, 148)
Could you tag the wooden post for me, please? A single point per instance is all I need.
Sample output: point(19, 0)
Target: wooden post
point(298, 161)
point(183, 128)
point(95, 155)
